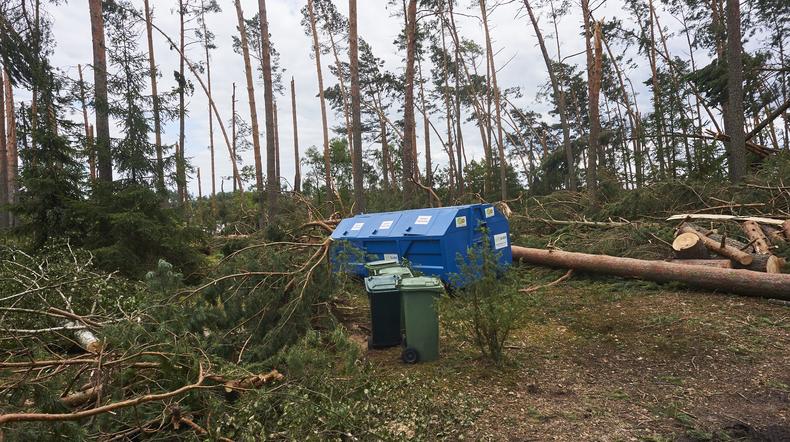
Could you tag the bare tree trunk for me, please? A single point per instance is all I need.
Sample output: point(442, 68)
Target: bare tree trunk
point(356, 115)
point(497, 104)
point(11, 148)
point(272, 183)
point(200, 185)
point(297, 159)
point(160, 165)
point(593, 88)
point(426, 129)
point(560, 97)
point(181, 176)
point(325, 125)
point(100, 95)
point(233, 129)
point(447, 102)
point(276, 144)
point(256, 143)
point(210, 116)
point(88, 136)
point(3, 157)
point(734, 121)
point(408, 111)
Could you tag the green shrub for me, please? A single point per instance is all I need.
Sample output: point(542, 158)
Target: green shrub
point(486, 311)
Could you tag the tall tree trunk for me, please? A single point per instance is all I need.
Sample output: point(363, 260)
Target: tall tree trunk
point(497, 104)
point(560, 100)
point(181, 176)
point(324, 123)
point(356, 113)
point(426, 123)
point(297, 159)
point(233, 129)
point(256, 142)
point(277, 144)
point(3, 157)
point(104, 156)
point(447, 101)
point(272, 183)
point(407, 152)
point(88, 136)
point(593, 89)
point(206, 44)
point(11, 148)
point(160, 164)
point(736, 147)
point(200, 185)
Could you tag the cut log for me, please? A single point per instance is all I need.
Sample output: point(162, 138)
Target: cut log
point(741, 282)
point(774, 234)
point(85, 338)
point(718, 238)
point(761, 220)
point(786, 228)
point(81, 397)
point(689, 246)
point(755, 233)
point(721, 248)
point(761, 263)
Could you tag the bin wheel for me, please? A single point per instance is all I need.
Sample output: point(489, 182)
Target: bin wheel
point(410, 356)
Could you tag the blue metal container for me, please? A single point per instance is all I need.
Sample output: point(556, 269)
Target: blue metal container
point(430, 239)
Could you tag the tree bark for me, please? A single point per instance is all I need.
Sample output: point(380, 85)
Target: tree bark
point(256, 142)
point(181, 177)
point(160, 165)
point(324, 124)
point(409, 132)
point(559, 96)
point(11, 147)
point(786, 228)
point(356, 116)
point(755, 233)
point(734, 120)
point(233, 130)
point(200, 185)
point(272, 183)
point(743, 282)
point(297, 159)
point(88, 135)
point(103, 153)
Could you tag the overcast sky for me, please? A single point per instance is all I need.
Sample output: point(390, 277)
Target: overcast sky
point(518, 60)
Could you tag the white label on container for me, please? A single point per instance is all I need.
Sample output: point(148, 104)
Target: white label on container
point(500, 241)
point(385, 225)
point(391, 256)
point(460, 221)
point(423, 219)
point(489, 212)
point(357, 226)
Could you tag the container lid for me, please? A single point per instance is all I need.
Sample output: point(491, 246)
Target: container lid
point(421, 284)
point(381, 263)
point(381, 283)
point(395, 270)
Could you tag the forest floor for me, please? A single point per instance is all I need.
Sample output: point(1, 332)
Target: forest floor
point(613, 359)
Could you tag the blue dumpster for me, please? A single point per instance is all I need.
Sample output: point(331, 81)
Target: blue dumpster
point(430, 239)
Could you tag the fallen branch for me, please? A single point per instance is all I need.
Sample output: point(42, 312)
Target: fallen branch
point(761, 220)
point(576, 223)
point(535, 288)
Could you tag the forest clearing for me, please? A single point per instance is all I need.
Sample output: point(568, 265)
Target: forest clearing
point(394, 220)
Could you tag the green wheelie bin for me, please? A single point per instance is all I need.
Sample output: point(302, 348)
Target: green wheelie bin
point(420, 318)
point(388, 267)
point(385, 311)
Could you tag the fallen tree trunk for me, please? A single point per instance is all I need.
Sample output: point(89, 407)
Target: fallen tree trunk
point(721, 247)
point(761, 263)
point(689, 246)
point(743, 282)
point(755, 233)
point(761, 220)
point(748, 248)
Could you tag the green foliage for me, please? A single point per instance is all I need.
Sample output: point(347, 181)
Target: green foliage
point(163, 279)
point(486, 311)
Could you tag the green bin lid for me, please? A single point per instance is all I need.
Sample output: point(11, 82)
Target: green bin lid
point(421, 284)
point(381, 264)
point(396, 270)
point(381, 283)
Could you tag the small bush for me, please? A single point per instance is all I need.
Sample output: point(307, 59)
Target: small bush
point(486, 311)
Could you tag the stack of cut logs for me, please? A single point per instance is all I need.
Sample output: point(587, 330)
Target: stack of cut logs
point(695, 245)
